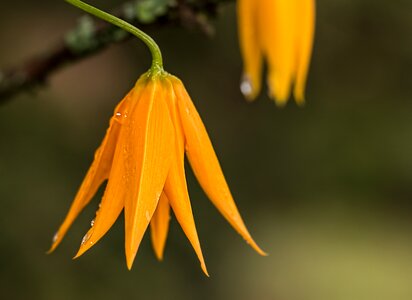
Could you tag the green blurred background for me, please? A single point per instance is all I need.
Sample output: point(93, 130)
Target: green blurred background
point(326, 189)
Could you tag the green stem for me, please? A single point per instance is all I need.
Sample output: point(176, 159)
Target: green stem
point(157, 61)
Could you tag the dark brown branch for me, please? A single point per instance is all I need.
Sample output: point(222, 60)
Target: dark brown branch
point(189, 18)
point(91, 36)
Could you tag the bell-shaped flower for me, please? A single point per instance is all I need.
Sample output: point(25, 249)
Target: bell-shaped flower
point(142, 159)
point(279, 32)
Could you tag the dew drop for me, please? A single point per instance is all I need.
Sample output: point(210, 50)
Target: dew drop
point(158, 196)
point(120, 117)
point(246, 87)
point(92, 223)
point(55, 237)
point(85, 238)
point(147, 216)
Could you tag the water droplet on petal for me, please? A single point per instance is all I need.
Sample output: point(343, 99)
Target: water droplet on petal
point(92, 223)
point(85, 238)
point(55, 237)
point(246, 86)
point(147, 216)
point(120, 117)
point(158, 196)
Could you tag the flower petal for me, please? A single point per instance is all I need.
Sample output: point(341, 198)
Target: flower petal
point(205, 165)
point(113, 199)
point(97, 173)
point(147, 162)
point(306, 27)
point(159, 226)
point(250, 48)
point(277, 21)
point(176, 188)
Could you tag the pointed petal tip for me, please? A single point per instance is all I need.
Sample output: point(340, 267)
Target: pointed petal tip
point(130, 259)
point(280, 101)
point(204, 269)
point(57, 238)
point(301, 103)
point(299, 94)
point(51, 249)
point(255, 247)
point(79, 253)
point(300, 100)
point(250, 98)
point(129, 266)
point(159, 256)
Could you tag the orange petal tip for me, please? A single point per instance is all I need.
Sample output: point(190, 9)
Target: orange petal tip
point(51, 249)
point(130, 260)
point(300, 100)
point(79, 253)
point(255, 247)
point(204, 269)
point(159, 256)
point(55, 243)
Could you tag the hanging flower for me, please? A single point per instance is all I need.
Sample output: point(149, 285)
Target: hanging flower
point(142, 157)
point(281, 32)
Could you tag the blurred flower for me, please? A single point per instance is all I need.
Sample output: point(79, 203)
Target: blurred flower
point(142, 156)
point(280, 31)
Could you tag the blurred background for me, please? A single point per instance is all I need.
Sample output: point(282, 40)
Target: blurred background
point(325, 189)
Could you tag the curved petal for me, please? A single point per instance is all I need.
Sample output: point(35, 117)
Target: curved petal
point(147, 161)
point(159, 226)
point(113, 199)
point(250, 48)
point(176, 188)
point(205, 165)
point(277, 26)
point(306, 27)
point(97, 173)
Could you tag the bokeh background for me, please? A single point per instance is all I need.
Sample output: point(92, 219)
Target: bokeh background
point(325, 189)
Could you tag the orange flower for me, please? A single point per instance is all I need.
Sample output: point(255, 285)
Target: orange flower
point(280, 31)
point(142, 156)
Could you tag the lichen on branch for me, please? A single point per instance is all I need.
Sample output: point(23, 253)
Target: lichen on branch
point(90, 36)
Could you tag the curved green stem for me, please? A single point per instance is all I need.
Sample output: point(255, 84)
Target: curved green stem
point(157, 61)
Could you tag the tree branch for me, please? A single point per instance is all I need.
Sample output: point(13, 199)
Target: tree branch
point(91, 36)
